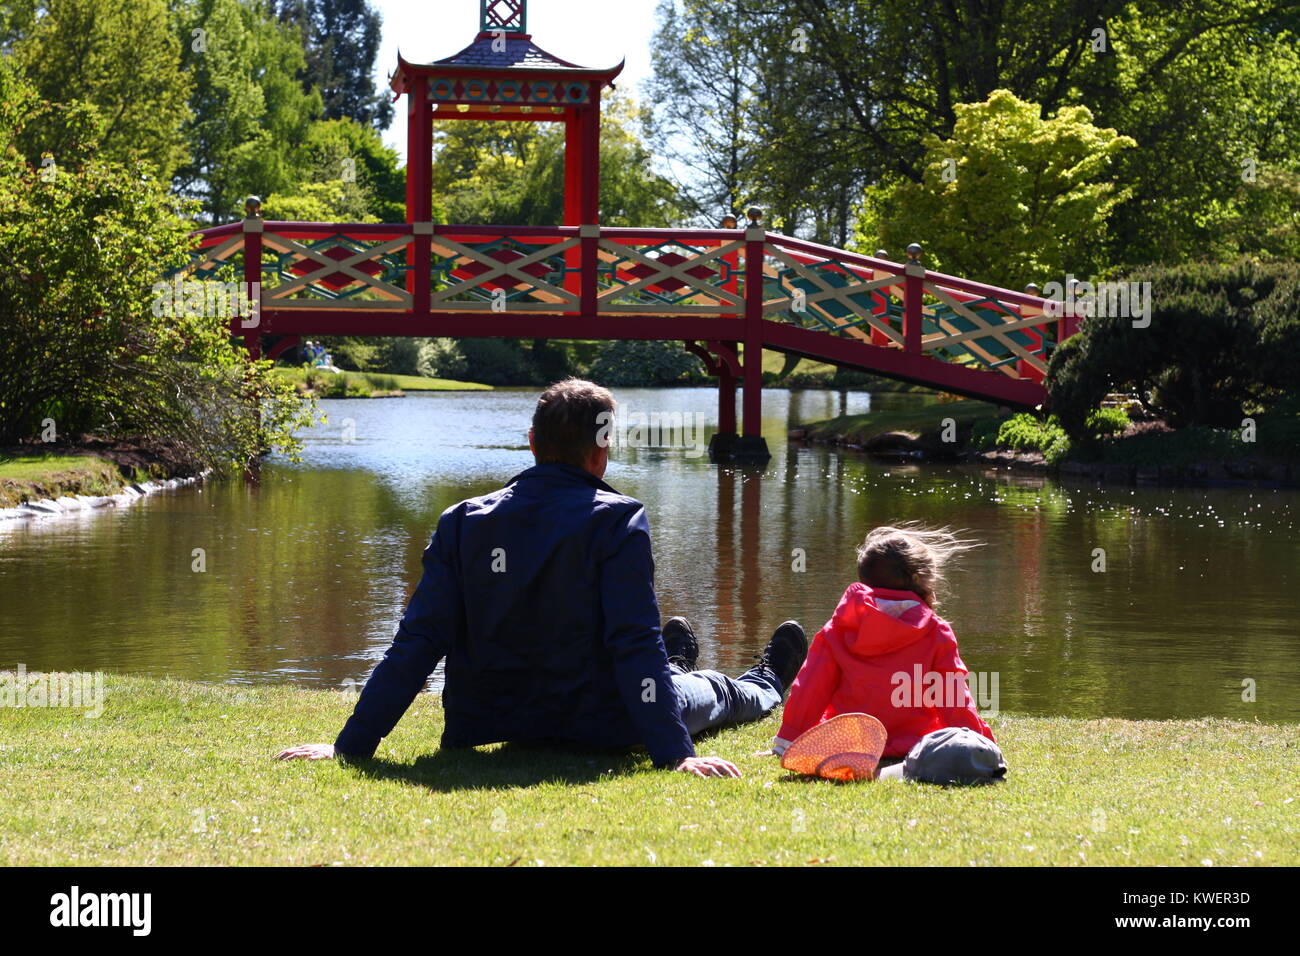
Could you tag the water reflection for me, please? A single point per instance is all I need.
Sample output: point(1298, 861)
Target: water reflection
point(307, 574)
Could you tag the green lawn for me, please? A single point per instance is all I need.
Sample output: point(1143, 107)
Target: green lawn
point(181, 773)
point(368, 382)
point(31, 477)
point(916, 422)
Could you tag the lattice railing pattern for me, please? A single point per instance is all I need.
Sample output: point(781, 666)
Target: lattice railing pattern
point(669, 276)
point(864, 298)
point(503, 273)
point(351, 270)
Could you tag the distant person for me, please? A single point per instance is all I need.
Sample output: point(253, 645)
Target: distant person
point(884, 652)
point(540, 596)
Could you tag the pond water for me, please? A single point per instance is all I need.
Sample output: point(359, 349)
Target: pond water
point(307, 574)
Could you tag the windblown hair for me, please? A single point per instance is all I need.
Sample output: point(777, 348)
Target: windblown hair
point(909, 557)
point(567, 421)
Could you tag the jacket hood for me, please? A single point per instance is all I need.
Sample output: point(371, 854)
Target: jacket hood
point(873, 621)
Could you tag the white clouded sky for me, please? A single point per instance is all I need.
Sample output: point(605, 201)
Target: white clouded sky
point(593, 33)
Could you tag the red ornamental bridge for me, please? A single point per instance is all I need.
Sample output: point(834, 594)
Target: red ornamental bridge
point(727, 294)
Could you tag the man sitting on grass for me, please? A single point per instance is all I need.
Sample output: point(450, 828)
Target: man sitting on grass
point(541, 598)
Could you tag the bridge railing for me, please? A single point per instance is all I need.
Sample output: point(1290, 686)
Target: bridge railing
point(427, 269)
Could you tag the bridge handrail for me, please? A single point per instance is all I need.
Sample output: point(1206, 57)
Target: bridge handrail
point(804, 250)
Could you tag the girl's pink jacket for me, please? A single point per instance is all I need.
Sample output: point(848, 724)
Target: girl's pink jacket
point(884, 653)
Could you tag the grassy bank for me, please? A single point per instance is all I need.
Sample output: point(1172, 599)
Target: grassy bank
point(27, 475)
point(1144, 451)
point(921, 428)
point(369, 384)
point(181, 773)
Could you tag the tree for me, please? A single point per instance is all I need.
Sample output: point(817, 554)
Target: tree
point(81, 342)
point(1217, 115)
point(250, 114)
point(350, 176)
point(703, 83)
point(1010, 198)
point(123, 58)
point(341, 40)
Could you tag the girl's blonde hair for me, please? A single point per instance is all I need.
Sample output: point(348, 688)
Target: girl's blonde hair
point(909, 557)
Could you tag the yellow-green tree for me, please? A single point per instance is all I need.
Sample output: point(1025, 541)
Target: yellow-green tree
point(1010, 198)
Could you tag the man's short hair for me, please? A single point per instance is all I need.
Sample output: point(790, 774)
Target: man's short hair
point(568, 421)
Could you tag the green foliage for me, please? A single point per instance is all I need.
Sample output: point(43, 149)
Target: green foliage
point(80, 340)
point(499, 362)
point(1025, 432)
point(349, 176)
point(341, 40)
point(645, 363)
point(1223, 338)
point(441, 358)
point(1010, 197)
point(1211, 91)
point(1102, 422)
point(513, 173)
point(251, 116)
point(121, 60)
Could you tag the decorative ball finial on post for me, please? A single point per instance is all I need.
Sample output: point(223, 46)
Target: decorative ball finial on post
point(755, 215)
point(728, 221)
point(253, 207)
point(1031, 289)
point(914, 253)
point(882, 253)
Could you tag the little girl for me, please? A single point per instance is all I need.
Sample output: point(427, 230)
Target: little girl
point(885, 652)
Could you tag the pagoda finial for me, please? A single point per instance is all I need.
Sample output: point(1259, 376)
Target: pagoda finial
point(509, 16)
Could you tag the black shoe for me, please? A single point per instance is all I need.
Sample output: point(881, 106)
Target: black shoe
point(680, 643)
point(784, 654)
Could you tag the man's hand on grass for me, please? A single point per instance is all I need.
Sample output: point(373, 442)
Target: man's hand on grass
point(708, 767)
point(307, 752)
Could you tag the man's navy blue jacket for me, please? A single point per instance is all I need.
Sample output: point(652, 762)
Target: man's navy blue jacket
point(541, 598)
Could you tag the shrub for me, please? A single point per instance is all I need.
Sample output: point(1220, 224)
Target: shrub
point(1222, 337)
point(1025, 432)
point(645, 364)
point(87, 341)
point(441, 358)
point(1102, 422)
point(499, 362)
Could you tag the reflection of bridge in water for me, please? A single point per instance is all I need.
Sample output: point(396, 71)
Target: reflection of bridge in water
point(726, 293)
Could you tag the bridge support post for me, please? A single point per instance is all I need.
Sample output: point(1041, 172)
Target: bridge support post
point(722, 446)
point(253, 282)
point(751, 443)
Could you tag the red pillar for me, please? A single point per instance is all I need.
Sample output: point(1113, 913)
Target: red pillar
point(574, 259)
point(753, 359)
point(912, 292)
point(253, 280)
point(589, 187)
point(419, 152)
point(573, 130)
point(419, 192)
